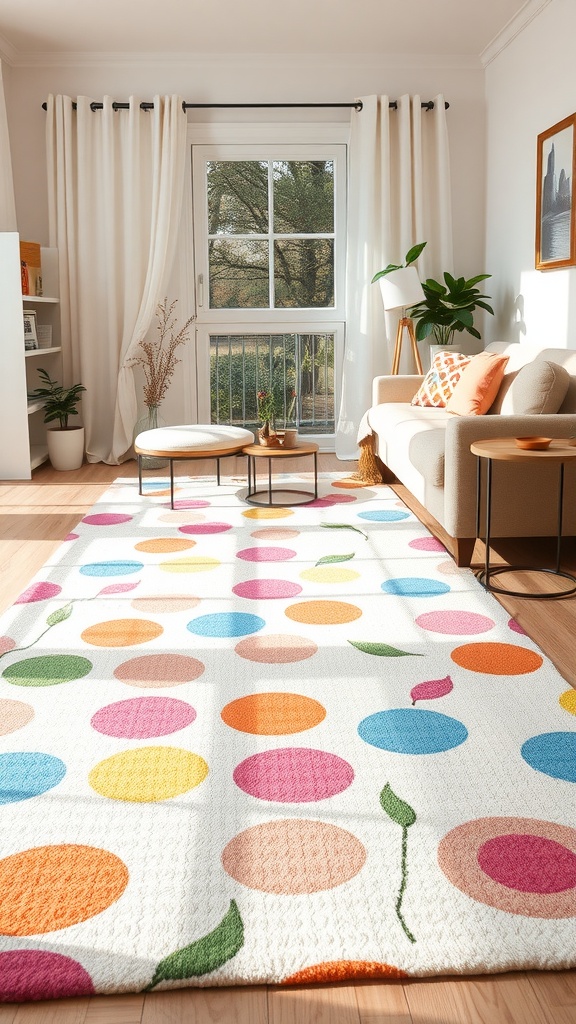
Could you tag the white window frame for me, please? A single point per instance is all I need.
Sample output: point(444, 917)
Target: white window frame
point(325, 140)
point(272, 151)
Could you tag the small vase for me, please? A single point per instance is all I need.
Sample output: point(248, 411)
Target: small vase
point(267, 436)
point(149, 421)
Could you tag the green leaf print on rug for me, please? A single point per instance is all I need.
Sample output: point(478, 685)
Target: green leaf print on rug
point(383, 650)
point(205, 954)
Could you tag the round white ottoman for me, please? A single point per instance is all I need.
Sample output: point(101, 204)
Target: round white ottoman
point(190, 441)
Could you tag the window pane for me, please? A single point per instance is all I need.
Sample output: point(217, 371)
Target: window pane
point(303, 197)
point(237, 197)
point(243, 364)
point(304, 272)
point(238, 274)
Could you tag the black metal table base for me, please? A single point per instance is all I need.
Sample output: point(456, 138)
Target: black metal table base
point(485, 575)
point(253, 495)
point(183, 458)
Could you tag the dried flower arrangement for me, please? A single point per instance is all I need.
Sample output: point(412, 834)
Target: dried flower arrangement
point(158, 359)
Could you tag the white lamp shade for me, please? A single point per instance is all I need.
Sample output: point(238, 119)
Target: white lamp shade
point(401, 288)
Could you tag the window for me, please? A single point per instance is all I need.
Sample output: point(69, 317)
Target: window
point(269, 255)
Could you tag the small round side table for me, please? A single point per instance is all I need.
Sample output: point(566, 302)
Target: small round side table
point(505, 449)
point(267, 496)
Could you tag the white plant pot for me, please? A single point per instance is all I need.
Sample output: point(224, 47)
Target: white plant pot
point(66, 447)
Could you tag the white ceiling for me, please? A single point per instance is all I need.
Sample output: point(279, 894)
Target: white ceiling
point(33, 29)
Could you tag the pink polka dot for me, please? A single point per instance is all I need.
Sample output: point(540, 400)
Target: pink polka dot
point(141, 718)
point(341, 499)
point(38, 592)
point(455, 623)
point(293, 775)
point(528, 863)
point(189, 503)
point(205, 528)
point(256, 590)
point(30, 974)
point(107, 519)
point(266, 554)
point(319, 503)
point(6, 644)
point(426, 544)
point(72, 536)
point(516, 627)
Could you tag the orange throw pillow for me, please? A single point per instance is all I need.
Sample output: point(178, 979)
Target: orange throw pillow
point(478, 385)
point(441, 379)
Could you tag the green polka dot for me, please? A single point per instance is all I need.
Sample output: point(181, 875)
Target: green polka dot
point(49, 670)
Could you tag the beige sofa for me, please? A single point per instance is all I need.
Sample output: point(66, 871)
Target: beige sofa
point(428, 450)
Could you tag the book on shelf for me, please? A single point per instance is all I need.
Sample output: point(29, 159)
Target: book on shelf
point(31, 268)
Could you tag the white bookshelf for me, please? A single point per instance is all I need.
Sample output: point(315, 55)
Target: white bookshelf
point(22, 420)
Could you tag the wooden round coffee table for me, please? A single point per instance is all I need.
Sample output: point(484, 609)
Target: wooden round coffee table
point(275, 496)
point(505, 449)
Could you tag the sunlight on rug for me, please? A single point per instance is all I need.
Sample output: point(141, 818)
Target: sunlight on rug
point(242, 745)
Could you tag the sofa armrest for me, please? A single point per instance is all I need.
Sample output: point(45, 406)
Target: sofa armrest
point(395, 388)
point(460, 463)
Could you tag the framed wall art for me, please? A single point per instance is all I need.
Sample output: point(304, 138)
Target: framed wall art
point(30, 333)
point(555, 208)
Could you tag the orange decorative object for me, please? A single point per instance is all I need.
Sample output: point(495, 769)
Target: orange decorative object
point(533, 444)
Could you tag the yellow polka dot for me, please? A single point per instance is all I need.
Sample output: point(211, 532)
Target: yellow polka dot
point(149, 774)
point(568, 701)
point(201, 563)
point(329, 574)
point(162, 545)
point(267, 513)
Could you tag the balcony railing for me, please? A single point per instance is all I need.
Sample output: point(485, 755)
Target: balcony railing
point(298, 368)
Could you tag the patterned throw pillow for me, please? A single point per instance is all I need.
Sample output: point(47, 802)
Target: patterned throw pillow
point(441, 379)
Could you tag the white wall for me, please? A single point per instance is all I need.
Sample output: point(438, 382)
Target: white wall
point(254, 79)
point(530, 86)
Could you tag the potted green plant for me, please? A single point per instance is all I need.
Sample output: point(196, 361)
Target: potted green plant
point(448, 308)
point(65, 442)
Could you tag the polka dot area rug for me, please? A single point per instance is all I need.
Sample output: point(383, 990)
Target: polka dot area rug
point(244, 745)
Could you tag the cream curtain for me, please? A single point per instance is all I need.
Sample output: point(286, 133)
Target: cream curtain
point(7, 205)
point(399, 194)
point(115, 184)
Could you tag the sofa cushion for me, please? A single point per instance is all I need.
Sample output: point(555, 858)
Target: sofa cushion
point(427, 454)
point(478, 385)
point(441, 379)
point(537, 388)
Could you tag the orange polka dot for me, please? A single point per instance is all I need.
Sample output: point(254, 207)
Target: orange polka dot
point(51, 887)
point(279, 649)
point(323, 613)
point(350, 483)
point(273, 714)
point(496, 659)
point(160, 545)
point(121, 632)
point(343, 970)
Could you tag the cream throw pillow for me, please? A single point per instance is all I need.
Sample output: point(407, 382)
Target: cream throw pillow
point(538, 387)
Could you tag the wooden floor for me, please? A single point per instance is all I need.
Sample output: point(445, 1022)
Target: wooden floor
point(35, 516)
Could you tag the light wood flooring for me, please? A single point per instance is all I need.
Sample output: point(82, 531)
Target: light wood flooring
point(35, 516)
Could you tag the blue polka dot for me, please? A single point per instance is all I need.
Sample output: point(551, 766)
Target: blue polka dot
point(412, 731)
point(553, 753)
point(155, 485)
point(226, 624)
point(119, 568)
point(415, 586)
point(392, 516)
point(25, 774)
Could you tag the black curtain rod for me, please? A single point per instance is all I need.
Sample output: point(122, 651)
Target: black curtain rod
point(357, 105)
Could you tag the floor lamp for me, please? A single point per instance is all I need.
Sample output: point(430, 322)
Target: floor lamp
point(401, 289)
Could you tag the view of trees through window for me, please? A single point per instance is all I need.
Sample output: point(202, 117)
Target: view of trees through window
point(271, 234)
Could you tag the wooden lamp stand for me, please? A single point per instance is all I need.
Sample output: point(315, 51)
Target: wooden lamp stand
point(405, 321)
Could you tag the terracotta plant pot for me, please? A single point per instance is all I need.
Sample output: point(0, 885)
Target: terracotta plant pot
point(268, 438)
